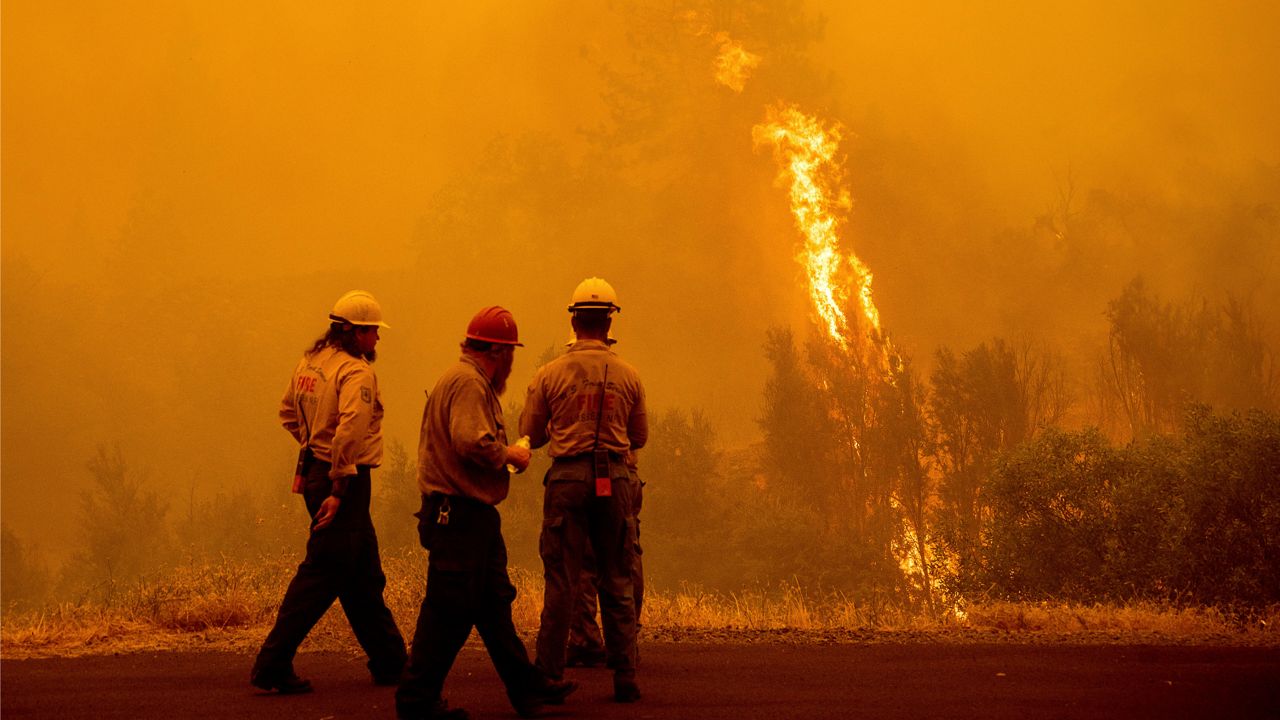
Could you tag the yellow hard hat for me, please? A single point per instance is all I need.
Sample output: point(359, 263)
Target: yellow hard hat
point(357, 308)
point(594, 294)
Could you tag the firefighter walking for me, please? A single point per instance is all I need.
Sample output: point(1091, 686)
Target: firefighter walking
point(588, 405)
point(334, 410)
point(463, 456)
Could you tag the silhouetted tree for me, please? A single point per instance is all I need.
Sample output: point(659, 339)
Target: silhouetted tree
point(1162, 356)
point(1193, 517)
point(122, 527)
point(799, 437)
point(397, 499)
point(901, 452)
point(684, 514)
point(1231, 470)
point(1050, 511)
point(983, 403)
point(24, 576)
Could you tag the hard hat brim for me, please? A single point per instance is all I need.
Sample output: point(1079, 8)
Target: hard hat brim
point(379, 323)
point(492, 341)
point(595, 306)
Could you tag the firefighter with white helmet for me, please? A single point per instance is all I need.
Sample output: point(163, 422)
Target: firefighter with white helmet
point(588, 406)
point(334, 410)
point(463, 454)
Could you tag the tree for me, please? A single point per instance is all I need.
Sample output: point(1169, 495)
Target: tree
point(984, 402)
point(685, 498)
point(798, 433)
point(1162, 356)
point(902, 444)
point(1232, 501)
point(831, 461)
point(24, 576)
point(1051, 509)
point(397, 499)
point(123, 532)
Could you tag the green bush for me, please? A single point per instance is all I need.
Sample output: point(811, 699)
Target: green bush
point(1193, 517)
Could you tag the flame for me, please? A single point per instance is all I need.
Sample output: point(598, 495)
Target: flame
point(806, 154)
point(733, 64)
point(805, 150)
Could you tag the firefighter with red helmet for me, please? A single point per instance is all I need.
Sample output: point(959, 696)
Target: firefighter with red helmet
point(588, 406)
point(463, 454)
point(334, 410)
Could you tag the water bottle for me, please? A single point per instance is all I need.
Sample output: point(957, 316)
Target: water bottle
point(524, 443)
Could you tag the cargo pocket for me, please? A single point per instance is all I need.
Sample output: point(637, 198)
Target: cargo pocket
point(632, 547)
point(424, 526)
point(551, 542)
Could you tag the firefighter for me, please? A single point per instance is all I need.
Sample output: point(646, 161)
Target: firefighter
point(334, 410)
point(589, 406)
point(463, 456)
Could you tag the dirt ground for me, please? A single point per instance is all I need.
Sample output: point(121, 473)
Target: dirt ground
point(708, 681)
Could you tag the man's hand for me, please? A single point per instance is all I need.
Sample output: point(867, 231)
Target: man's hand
point(518, 457)
point(328, 511)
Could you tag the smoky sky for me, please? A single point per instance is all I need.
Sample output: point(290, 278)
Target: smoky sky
point(188, 186)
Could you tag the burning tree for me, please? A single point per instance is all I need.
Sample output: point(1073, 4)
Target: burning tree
point(866, 390)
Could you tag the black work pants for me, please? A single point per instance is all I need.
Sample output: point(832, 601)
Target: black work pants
point(342, 564)
point(573, 517)
point(467, 586)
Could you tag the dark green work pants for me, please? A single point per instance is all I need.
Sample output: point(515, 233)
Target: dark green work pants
point(574, 518)
point(584, 634)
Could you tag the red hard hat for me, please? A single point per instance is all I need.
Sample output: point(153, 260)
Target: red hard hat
point(496, 325)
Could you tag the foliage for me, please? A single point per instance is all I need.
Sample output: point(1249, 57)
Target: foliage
point(1050, 508)
point(799, 439)
point(396, 499)
point(1194, 517)
point(841, 447)
point(1163, 355)
point(1231, 545)
point(123, 528)
point(685, 499)
point(983, 403)
point(24, 576)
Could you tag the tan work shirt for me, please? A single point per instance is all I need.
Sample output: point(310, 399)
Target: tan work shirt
point(462, 449)
point(333, 405)
point(564, 401)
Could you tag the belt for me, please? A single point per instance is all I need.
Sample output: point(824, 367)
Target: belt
point(615, 456)
point(437, 495)
point(326, 463)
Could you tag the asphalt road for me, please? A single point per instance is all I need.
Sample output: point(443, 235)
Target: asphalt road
point(699, 680)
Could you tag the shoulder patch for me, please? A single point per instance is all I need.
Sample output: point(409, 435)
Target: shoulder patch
point(366, 394)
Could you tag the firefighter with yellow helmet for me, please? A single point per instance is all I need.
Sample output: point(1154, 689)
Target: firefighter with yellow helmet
point(332, 407)
point(588, 406)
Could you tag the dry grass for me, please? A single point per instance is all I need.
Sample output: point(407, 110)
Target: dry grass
point(230, 606)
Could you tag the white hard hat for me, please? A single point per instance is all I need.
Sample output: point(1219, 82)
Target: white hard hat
point(594, 294)
point(357, 308)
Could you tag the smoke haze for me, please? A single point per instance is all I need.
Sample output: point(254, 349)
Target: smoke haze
point(187, 187)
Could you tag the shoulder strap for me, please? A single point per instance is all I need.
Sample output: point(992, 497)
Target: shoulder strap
point(604, 387)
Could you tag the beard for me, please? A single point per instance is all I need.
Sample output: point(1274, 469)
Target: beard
point(501, 373)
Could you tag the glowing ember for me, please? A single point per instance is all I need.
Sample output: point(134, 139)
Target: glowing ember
point(733, 64)
point(806, 153)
